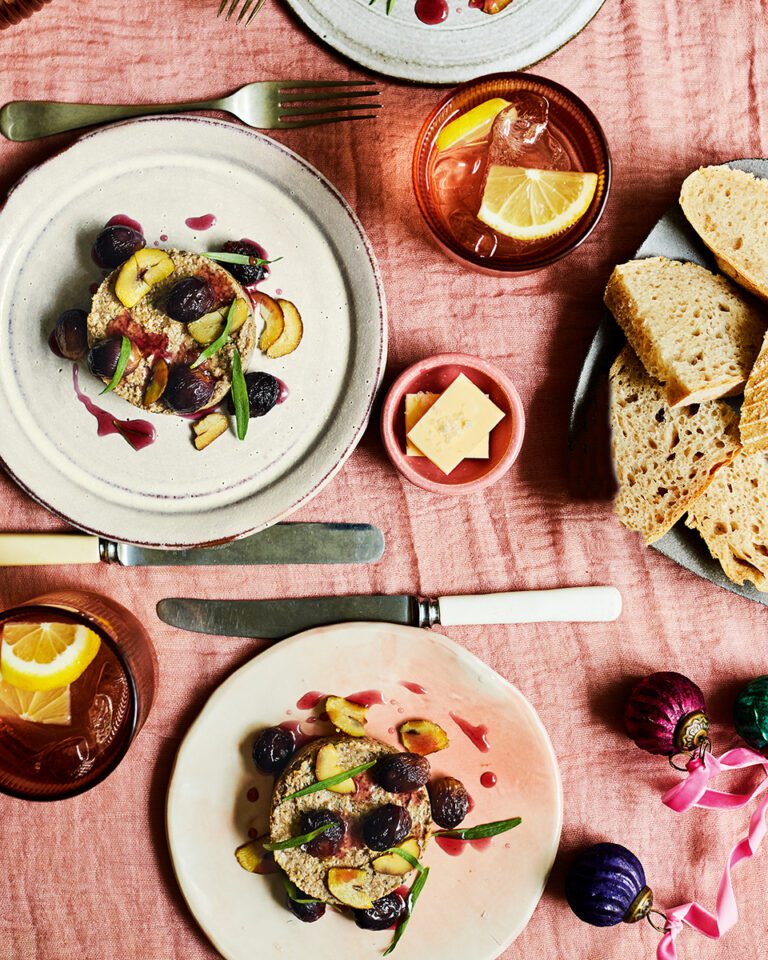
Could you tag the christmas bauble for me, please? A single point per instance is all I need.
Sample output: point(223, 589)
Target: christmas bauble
point(665, 714)
point(606, 885)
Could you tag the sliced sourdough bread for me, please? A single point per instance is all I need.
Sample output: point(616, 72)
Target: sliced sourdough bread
point(754, 410)
point(732, 518)
point(692, 329)
point(729, 211)
point(664, 458)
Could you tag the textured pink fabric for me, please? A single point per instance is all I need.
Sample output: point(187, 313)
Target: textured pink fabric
point(675, 85)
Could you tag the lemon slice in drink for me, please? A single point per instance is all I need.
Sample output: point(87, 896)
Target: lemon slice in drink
point(530, 204)
point(41, 706)
point(472, 125)
point(42, 656)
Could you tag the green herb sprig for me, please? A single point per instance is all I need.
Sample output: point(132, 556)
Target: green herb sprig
point(390, 5)
point(409, 858)
point(240, 396)
point(330, 781)
point(219, 342)
point(222, 257)
point(293, 891)
point(413, 896)
point(122, 363)
point(297, 841)
point(482, 830)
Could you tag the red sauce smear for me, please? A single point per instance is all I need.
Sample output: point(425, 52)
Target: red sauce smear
point(470, 803)
point(489, 779)
point(454, 846)
point(163, 237)
point(477, 734)
point(310, 700)
point(252, 795)
point(150, 344)
point(121, 220)
point(301, 737)
point(366, 698)
point(205, 222)
point(413, 687)
point(284, 391)
point(431, 12)
point(139, 433)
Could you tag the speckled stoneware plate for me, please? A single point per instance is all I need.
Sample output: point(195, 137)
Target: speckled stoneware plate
point(465, 45)
point(672, 237)
point(473, 905)
point(161, 172)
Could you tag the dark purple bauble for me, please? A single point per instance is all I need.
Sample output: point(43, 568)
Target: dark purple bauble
point(665, 714)
point(605, 885)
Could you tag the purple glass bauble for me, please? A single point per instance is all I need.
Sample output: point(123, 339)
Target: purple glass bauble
point(605, 885)
point(665, 714)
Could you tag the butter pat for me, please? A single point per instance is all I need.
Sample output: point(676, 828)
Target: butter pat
point(416, 405)
point(455, 424)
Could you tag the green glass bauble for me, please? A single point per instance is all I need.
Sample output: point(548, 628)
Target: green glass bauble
point(750, 715)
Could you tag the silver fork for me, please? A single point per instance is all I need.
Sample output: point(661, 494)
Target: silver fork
point(243, 11)
point(268, 105)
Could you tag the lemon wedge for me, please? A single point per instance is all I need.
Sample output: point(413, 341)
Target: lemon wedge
point(42, 706)
point(472, 125)
point(530, 204)
point(43, 656)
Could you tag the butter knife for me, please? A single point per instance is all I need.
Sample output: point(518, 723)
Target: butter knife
point(282, 543)
point(274, 619)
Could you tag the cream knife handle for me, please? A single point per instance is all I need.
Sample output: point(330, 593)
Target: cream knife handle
point(571, 604)
point(30, 549)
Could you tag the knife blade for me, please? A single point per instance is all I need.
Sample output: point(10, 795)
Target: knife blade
point(299, 543)
point(275, 619)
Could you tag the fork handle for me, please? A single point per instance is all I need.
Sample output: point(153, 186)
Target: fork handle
point(31, 119)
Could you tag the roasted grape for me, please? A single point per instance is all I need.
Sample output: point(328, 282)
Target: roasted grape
point(386, 826)
point(306, 912)
point(385, 913)
point(71, 334)
point(402, 772)
point(263, 393)
point(273, 748)
point(189, 299)
point(187, 390)
point(114, 245)
point(450, 802)
point(104, 355)
point(245, 272)
point(328, 842)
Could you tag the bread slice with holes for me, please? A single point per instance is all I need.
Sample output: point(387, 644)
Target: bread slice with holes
point(729, 211)
point(665, 458)
point(693, 330)
point(754, 410)
point(732, 518)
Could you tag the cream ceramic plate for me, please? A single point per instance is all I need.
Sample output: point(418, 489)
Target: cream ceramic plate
point(162, 171)
point(467, 44)
point(474, 904)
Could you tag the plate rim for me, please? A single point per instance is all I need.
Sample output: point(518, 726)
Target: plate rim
point(440, 76)
point(464, 656)
point(367, 247)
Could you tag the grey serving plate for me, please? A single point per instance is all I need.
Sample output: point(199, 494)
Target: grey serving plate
point(589, 431)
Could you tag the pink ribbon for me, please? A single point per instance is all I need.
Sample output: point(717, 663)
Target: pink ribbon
point(694, 791)
point(714, 925)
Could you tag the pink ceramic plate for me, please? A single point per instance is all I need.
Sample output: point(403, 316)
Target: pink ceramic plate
point(474, 904)
point(434, 375)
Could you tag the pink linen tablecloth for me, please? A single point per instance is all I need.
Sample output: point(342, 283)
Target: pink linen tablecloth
point(675, 85)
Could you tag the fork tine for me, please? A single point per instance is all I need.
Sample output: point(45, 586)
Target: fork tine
point(244, 10)
point(231, 10)
point(259, 5)
point(294, 84)
point(317, 111)
point(308, 97)
point(295, 124)
point(221, 8)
